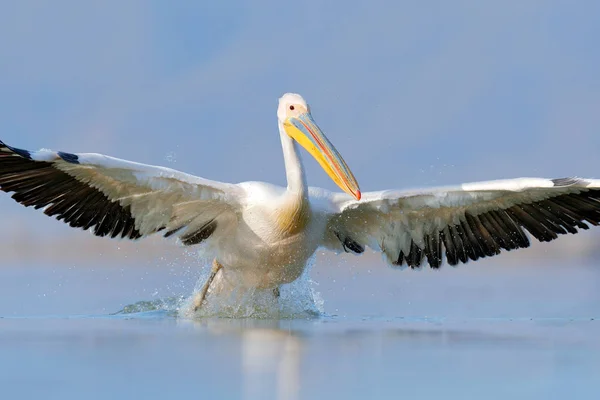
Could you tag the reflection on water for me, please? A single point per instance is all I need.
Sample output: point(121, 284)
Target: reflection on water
point(270, 364)
point(270, 353)
point(164, 356)
point(278, 357)
point(480, 332)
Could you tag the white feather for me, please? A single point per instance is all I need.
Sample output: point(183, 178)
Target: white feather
point(394, 218)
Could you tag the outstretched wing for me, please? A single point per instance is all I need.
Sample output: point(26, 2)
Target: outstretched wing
point(466, 222)
point(114, 197)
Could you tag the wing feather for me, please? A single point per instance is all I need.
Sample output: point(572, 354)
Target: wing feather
point(462, 223)
point(115, 197)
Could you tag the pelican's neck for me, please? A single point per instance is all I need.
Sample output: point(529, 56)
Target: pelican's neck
point(296, 180)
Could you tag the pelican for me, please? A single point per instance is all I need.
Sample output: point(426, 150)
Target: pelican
point(261, 235)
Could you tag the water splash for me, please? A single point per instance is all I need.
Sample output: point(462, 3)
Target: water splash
point(171, 157)
point(299, 299)
point(170, 305)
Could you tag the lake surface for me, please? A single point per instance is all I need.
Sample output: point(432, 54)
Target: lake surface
point(481, 331)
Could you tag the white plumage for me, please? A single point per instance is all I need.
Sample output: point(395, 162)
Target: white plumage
point(391, 221)
point(262, 235)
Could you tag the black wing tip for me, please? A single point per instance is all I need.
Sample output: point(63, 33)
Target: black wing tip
point(39, 184)
point(21, 152)
point(413, 259)
point(69, 157)
point(487, 234)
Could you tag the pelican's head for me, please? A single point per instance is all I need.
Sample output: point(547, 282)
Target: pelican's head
point(294, 114)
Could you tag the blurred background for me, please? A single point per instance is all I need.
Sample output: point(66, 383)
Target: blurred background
point(412, 94)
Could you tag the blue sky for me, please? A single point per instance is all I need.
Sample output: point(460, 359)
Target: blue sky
point(411, 93)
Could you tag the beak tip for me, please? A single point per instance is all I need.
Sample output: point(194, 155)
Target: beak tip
point(358, 195)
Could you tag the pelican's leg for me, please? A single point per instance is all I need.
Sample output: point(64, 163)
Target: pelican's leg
point(200, 297)
point(276, 292)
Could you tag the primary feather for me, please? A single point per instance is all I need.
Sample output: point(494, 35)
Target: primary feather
point(466, 222)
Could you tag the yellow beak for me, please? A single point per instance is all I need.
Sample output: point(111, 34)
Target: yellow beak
point(305, 131)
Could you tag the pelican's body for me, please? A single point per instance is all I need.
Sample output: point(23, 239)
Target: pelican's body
point(262, 235)
point(277, 233)
point(278, 229)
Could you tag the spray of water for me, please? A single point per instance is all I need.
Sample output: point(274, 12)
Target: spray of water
point(299, 299)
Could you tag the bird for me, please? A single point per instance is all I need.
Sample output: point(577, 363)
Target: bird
point(261, 235)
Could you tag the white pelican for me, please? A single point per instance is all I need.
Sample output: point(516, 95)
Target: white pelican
point(262, 235)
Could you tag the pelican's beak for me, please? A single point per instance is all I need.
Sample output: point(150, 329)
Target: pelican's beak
point(305, 131)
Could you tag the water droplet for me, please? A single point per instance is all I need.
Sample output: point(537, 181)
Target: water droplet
point(171, 157)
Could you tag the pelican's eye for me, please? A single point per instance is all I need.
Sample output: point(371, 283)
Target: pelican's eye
point(292, 108)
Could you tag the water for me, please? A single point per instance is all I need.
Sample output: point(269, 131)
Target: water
point(485, 330)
